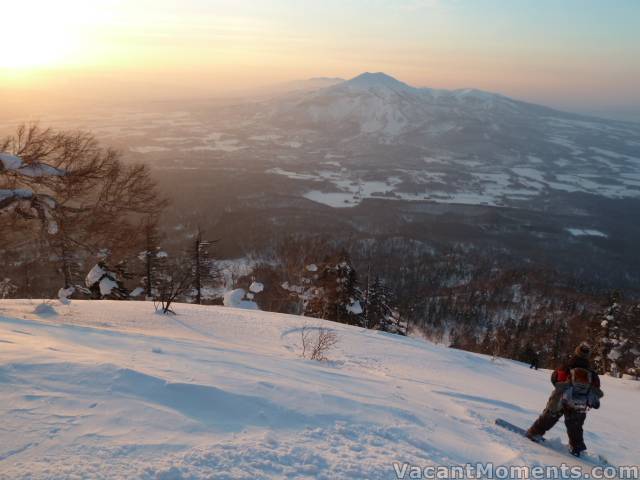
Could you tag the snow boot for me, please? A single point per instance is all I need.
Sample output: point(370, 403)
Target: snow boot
point(577, 450)
point(533, 436)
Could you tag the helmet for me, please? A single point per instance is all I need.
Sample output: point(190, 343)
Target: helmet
point(583, 350)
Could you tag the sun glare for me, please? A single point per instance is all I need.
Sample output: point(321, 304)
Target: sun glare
point(39, 33)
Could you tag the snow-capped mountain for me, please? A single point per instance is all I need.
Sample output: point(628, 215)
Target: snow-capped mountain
point(378, 104)
point(456, 146)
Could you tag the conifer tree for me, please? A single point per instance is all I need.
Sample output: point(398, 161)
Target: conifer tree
point(205, 272)
point(381, 308)
point(149, 255)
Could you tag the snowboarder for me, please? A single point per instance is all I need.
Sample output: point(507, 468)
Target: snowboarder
point(577, 389)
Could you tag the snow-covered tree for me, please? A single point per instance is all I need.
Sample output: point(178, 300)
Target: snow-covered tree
point(606, 333)
point(18, 195)
point(336, 294)
point(617, 336)
point(104, 282)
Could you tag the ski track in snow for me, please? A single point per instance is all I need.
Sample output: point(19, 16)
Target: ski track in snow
point(114, 390)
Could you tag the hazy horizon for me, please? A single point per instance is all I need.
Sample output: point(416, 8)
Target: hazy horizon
point(575, 56)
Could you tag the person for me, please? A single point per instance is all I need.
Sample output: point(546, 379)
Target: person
point(535, 358)
point(576, 390)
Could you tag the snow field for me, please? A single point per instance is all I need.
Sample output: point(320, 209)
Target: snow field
point(107, 389)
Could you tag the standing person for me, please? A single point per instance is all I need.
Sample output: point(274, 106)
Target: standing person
point(535, 358)
point(576, 390)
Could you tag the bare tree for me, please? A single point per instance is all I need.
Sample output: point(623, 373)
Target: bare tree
point(84, 195)
point(173, 280)
point(316, 342)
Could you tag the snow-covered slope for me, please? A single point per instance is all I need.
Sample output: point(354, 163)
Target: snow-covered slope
point(113, 390)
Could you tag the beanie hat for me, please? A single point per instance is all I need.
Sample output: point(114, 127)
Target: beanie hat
point(583, 350)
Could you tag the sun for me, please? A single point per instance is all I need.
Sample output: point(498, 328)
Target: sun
point(37, 34)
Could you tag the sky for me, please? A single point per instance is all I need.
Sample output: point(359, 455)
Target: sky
point(573, 54)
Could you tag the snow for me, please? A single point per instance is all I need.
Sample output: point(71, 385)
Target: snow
point(64, 295)
point(94, 275)
point(14, 163)
point(236, 299)
point(10, 162)
point(214, 142)
point(136, 292)
point(99, 275)
point(110, 389)
point(21, 193)
point(256, 287)
point(107, 285)
point(586, 232)
point(355, 308)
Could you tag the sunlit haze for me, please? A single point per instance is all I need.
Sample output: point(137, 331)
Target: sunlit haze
point(572, 54)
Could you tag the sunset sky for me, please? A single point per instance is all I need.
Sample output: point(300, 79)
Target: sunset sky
point(576, 54)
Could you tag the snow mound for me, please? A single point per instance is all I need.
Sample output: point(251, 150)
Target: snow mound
point(44, 309)
point(236, 299)
point(115, 391)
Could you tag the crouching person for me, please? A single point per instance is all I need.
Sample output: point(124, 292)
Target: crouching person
point(577, 389)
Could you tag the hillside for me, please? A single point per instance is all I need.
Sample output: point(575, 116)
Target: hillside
point(113, 390)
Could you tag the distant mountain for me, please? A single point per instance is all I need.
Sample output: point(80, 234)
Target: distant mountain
point(376, 103)
point(459, 146)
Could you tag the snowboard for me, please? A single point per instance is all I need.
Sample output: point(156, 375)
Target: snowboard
point(595, 460)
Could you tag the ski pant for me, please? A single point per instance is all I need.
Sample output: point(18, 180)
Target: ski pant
point(573, 420)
